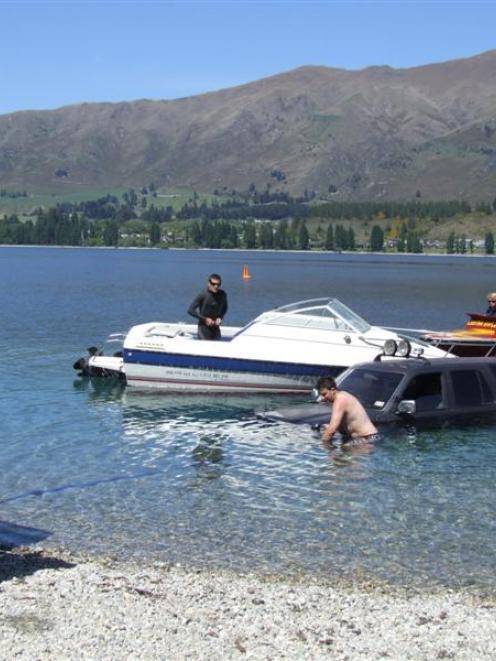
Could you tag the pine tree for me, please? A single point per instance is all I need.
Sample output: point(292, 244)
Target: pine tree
point(250, 236)
point(450, 244)
point(489, 243)
point(303, 237)
point(329, 240)
point(376, 239)
point(154, 234)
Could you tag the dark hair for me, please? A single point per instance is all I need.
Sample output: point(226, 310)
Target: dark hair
point(214, 276)
point(326, 383)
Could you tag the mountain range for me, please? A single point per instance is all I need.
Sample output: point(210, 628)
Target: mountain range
point(376, 133)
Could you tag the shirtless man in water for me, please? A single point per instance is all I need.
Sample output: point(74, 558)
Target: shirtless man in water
point(348, 415)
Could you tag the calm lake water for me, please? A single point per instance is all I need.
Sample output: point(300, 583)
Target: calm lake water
point(198, 479)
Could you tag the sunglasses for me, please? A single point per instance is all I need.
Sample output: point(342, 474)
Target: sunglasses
point(214, 284)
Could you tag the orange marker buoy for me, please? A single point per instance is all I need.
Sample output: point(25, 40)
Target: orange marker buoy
point(246, 273)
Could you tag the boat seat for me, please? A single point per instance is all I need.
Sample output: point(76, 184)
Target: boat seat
point(165, 331)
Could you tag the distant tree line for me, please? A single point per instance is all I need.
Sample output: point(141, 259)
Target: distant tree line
point(250, 219)
point(57, 227)
point(234, 210)
point(339, 238)
point(250, 235)
point(388, 210)
point(12, 194)
point(458, 244)
point(408, 239)
point(282, 205)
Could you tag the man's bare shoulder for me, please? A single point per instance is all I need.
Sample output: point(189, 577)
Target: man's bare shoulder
point(345, 397)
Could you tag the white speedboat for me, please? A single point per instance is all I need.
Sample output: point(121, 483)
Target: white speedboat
point(283, 350)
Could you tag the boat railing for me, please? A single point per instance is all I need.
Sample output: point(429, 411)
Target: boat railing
point(410, 331)
point(454, 346)
point(414, 334)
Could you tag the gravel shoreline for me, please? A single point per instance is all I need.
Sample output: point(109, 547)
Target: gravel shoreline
point(58, 605)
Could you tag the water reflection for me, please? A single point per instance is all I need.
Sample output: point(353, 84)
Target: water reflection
point(100, 389)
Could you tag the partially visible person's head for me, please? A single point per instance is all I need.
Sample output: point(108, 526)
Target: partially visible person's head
point(491, 298)
point(214, 281)
point(326, 386)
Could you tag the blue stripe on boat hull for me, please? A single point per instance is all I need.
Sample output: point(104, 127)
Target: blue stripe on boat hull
point(184, 361)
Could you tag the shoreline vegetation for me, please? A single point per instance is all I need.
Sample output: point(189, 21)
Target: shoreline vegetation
point(267, 220)
point(56, 604)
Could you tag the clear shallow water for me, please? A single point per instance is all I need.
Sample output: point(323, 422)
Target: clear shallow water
point(198, 478)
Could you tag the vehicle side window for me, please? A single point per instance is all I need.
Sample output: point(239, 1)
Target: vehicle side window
point(372, 387)
point(470, 388)
point(426, 390)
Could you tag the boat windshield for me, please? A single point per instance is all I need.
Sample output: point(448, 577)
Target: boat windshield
point(319, 313)
point(373, 388)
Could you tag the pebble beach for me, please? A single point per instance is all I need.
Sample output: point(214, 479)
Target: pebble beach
point(58, 605)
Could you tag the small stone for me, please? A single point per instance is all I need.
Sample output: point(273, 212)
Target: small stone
point(239, 644)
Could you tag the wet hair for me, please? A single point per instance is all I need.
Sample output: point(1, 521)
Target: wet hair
point(214, 276)
point(326, 383)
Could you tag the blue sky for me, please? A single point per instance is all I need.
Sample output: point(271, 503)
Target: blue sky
point(63, 52)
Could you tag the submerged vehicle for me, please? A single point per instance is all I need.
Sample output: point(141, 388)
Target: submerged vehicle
point(282, 350)
point(476, 338)
point(414, 391)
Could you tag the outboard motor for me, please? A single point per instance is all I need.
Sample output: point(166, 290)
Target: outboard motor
point(82, 365)
point(85, 367)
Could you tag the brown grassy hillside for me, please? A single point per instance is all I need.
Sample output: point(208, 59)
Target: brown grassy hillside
point(378, 132)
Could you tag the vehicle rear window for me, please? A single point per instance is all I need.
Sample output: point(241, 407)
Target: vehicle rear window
point(470, 388)
point(372, 387)
point(426, 391)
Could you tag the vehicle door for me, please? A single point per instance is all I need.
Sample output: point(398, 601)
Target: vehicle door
point(472, 399)
point(429, 392)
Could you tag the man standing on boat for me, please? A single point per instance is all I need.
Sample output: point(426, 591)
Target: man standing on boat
point(348, 416)
point(210, 307)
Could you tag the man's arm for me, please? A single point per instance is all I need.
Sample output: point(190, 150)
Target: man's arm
point(335, 421)
point(224, 306)
point(195, 307)
point(222, 310)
